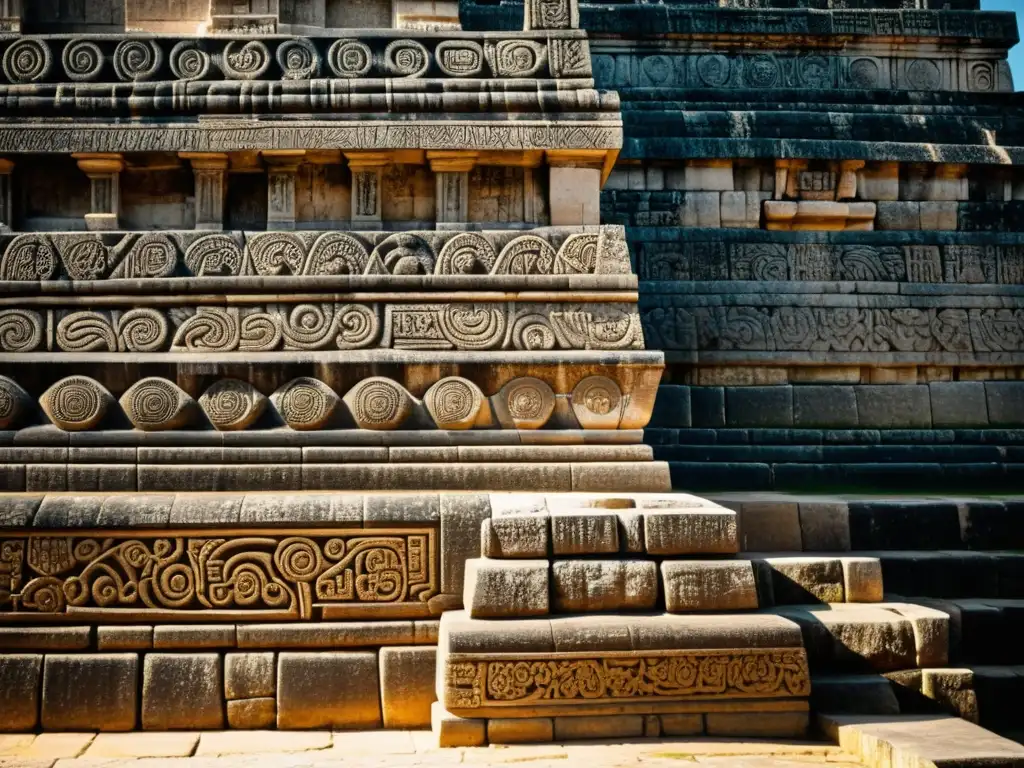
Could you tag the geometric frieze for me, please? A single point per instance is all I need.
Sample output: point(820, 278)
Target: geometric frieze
point(495, 681)
point(470, 326)
point(147, 256)
point(250, 575)
point(154, 404)
point(106, 59)
point(876, 261)
point(763, 69)
point(849, 329)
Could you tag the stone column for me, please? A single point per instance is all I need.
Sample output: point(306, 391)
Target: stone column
point(451, 174)
point(104, 171)
point(282, 165)
point(574, 187)
point(367, 174)
point(210, 169)
point(6, 196)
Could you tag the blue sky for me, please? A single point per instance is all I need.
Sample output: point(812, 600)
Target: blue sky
point(1017, 54)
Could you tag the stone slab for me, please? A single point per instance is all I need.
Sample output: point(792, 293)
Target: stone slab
point(520, 730)
point(142, 744)
point(249, 675)
point(257, 742)
point(252, 714)
point(684, 532)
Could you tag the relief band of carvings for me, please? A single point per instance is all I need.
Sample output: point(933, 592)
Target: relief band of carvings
point(835, 329)
point(64, 256)
point(154, 404)
point(247, 575)
point(86, 59)
point(325, 326)
point(492, 682)
point(961, 263)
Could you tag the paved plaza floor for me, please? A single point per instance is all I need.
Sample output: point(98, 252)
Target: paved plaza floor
point(323, 749)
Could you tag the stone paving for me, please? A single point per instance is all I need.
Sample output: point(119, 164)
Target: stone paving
point(323, 749)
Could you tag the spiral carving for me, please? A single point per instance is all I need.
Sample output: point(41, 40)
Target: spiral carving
point(142, 330)
point(232, 405)
point(277, 253)
point(309, 326)
point(154, 404)
point(28, 257)
point(13, 401)
point(86, 332)
point(189, 61)
point(454, 403)
point(260, 332)
point(298, 59)
point(406, 58)
point(336, 253)
point(350, 58)
point(210, 329)
point(21, 330)
point(82, 60)
point(76, 403)
point(532, 333)
point(28, 60)
point(305, 403)
point(245, 60)
point(137, 60)
point(298, 559)
point(378, 403)
point(358, 326)
point(528, 401)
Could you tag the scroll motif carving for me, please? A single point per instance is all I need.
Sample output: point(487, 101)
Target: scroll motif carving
point(474, 682)
point(298, 59)
point(262, 574)
point(454, 403)
point(379, 403)
point(460, 58)
point(350, 58)
point(406, 58)
point(20, 330)
point(189, 61)
point(83, 61)
point(28, 257)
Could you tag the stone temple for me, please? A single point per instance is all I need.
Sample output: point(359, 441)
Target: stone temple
point(359, 360)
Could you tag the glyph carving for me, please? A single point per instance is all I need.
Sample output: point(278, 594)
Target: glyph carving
point(152, 256)
point(526, 403)
point(406, 58)
point(526, 255)
point(305, 403)
point(350, 58)
point(232, 404)
point(154, 404)
point(597, 403)
point(268, 574)
point(577, 256)
point(245, 60)
point(460, 58)
point(298, 59)
point(76, 403)
point(516, 58)
point(29, 257)
point(474, 682)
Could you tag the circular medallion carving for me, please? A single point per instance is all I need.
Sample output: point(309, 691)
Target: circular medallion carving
point(714, 69)
point(762, 71)
point(460, 58)
point(454, 403)
point(76, 403)
point(189, 61)
point(299, 59)
point(864, 73)
point(924, 75)
point(379, 403)
point(350, 58)
point(13, 401)
point(245, 60)
point(232, 404)
point(136, 60)
point(528, 401)
point(406, 58)
point(597, 403)
point(82, 60)
point(28, 61)
point(155, 404)
point(305, 403)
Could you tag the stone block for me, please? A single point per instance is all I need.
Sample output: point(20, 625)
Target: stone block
point(701, 209)
point(520, 730)
point(758, 725)
point(327, 634)
point(584, 532)
point(862, 579)
point(195, 637)
point(452, 731)
point(509, 536)
point(182, 691)
point(854, 694)
point(598, 727)
point(939, 216)
point(588, 586)
point(19, 691)
point(824, 526)
point(714, 175)
point(126, 638)
point(931, 629)
point(709, 585)
point(805, 580)
point(252, 714)
point(407, 687)
point(893, 406)
point(671, 407)
point(770, 527)
point(675, 532)
point(462, 516)
point(461, 634)
point(1005, 403)
point(831, 407)
point(249, 675)
point(330, 689)
point(590, 632)
point(953, 689)
point(904, 525)
point(958, 404)
point(900, 215)
point(765, 407)
point(855, 639)
point(574, 196)
point(677, 725)
point(734, 210)
point(44, 638)
point(90, 692)
point(707, 407)
point(506, 588)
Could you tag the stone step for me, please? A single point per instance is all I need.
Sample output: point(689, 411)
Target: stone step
point(982, 630)
point(617, 663)
point(854, 695)
point(507, 588)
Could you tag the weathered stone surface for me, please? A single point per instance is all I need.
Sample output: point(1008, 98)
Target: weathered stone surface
point(681, 725)
point(207, 636)
point(249, 675)
point(182, 691)
point(770, 527)
point(669, 532)
point(958, 404)
point(803, 580)
point(824, 526)
point(855, 639)
point(407, 686)
point(862, 579)
point(763, 725)
point(142, 745)
point(329, 689)
point(452, 731)
point(584, 532)
point(598, 727)
point(93, 692)
point(252, 714)
point(19, 691)
point(506, 588)
point(515, 536)
point(129, 638)
point(227, 743)
point(462, 519)
point(589, 586)
point(708, 585)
